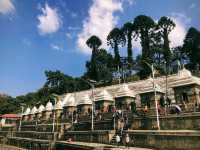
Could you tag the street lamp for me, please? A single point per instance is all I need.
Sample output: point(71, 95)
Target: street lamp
point(154, 87)
point(54, 113)
point(20, 122)
point(91, 83)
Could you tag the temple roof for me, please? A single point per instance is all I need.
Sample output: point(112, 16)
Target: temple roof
point(58, 105)
point(85, 100)
point(65, 98)
point(103, 95)
point(124, 91)
point(34, 110)
point(49, 106)
point(70, 101)
point(28, 110)
point(40, 109)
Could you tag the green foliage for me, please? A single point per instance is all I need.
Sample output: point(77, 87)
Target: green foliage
point(128, 29)
point(100, 67)
point(8, 104)
point(114, 39)
point(144, 27)
point(165, 26)
point(191, 47)
point(94, 42)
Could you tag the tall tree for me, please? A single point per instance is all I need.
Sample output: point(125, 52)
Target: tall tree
point(144, 27)
point(191, 47)
point(114, 39)
point(94, 43)
point(103, 63)
point(128, 31)
point(165, 26)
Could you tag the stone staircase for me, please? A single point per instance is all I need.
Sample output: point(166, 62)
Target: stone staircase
point(34, 137)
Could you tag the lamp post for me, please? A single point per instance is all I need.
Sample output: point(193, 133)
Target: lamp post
point(154, 87)
point(156, 102)
point(91, 83)
point(54, 113)
point(20, 122)
point(166, 86)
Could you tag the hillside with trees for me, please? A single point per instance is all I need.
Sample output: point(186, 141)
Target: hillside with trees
point(108, 69)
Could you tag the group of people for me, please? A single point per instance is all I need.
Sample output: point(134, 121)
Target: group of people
point(126, 142)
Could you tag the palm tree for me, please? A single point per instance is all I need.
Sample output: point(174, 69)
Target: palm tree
point(114, 39)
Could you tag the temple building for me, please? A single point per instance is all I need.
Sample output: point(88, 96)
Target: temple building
point(181, 89)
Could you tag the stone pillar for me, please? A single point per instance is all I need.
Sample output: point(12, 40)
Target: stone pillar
point(58, 112)
point(197, 96)
point(38, 115)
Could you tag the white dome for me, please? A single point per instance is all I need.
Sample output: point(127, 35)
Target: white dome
point(41, 108)
point(28, 110)
point(124, 91)
point(70, 101)
point(85, 100)
point(49, 106)
point(34, 110)
point(58, 105)
point(104, 95)
point(185, 73)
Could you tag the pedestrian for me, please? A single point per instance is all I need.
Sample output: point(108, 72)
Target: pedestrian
point(117, 139)
point(127, 140)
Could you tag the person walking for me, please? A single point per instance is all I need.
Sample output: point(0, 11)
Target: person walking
point(127, 140)
point(117, 139)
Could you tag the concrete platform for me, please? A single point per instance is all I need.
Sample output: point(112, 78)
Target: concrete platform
point(92, 146)
point(9, 147)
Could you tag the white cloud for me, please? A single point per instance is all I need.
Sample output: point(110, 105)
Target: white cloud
point(26, 42)
point(73, 28)
point(131, 2)
point(6, 6)
point(100, 22)
point(49, 20)
point(69, 35)
point(73, 15)
point(178, 34)
point(193, 5)
point(56, 47)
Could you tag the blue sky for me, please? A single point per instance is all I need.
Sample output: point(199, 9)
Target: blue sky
point(39, 35)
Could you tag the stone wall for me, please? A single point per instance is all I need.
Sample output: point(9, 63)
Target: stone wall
point(90, 136)
point(165, 140)
point(189, 121)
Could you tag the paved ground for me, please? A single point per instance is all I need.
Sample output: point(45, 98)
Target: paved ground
point(8, 147)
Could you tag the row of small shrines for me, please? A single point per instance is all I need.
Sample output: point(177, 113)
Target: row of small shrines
point(103, 102)
point(184, 91)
